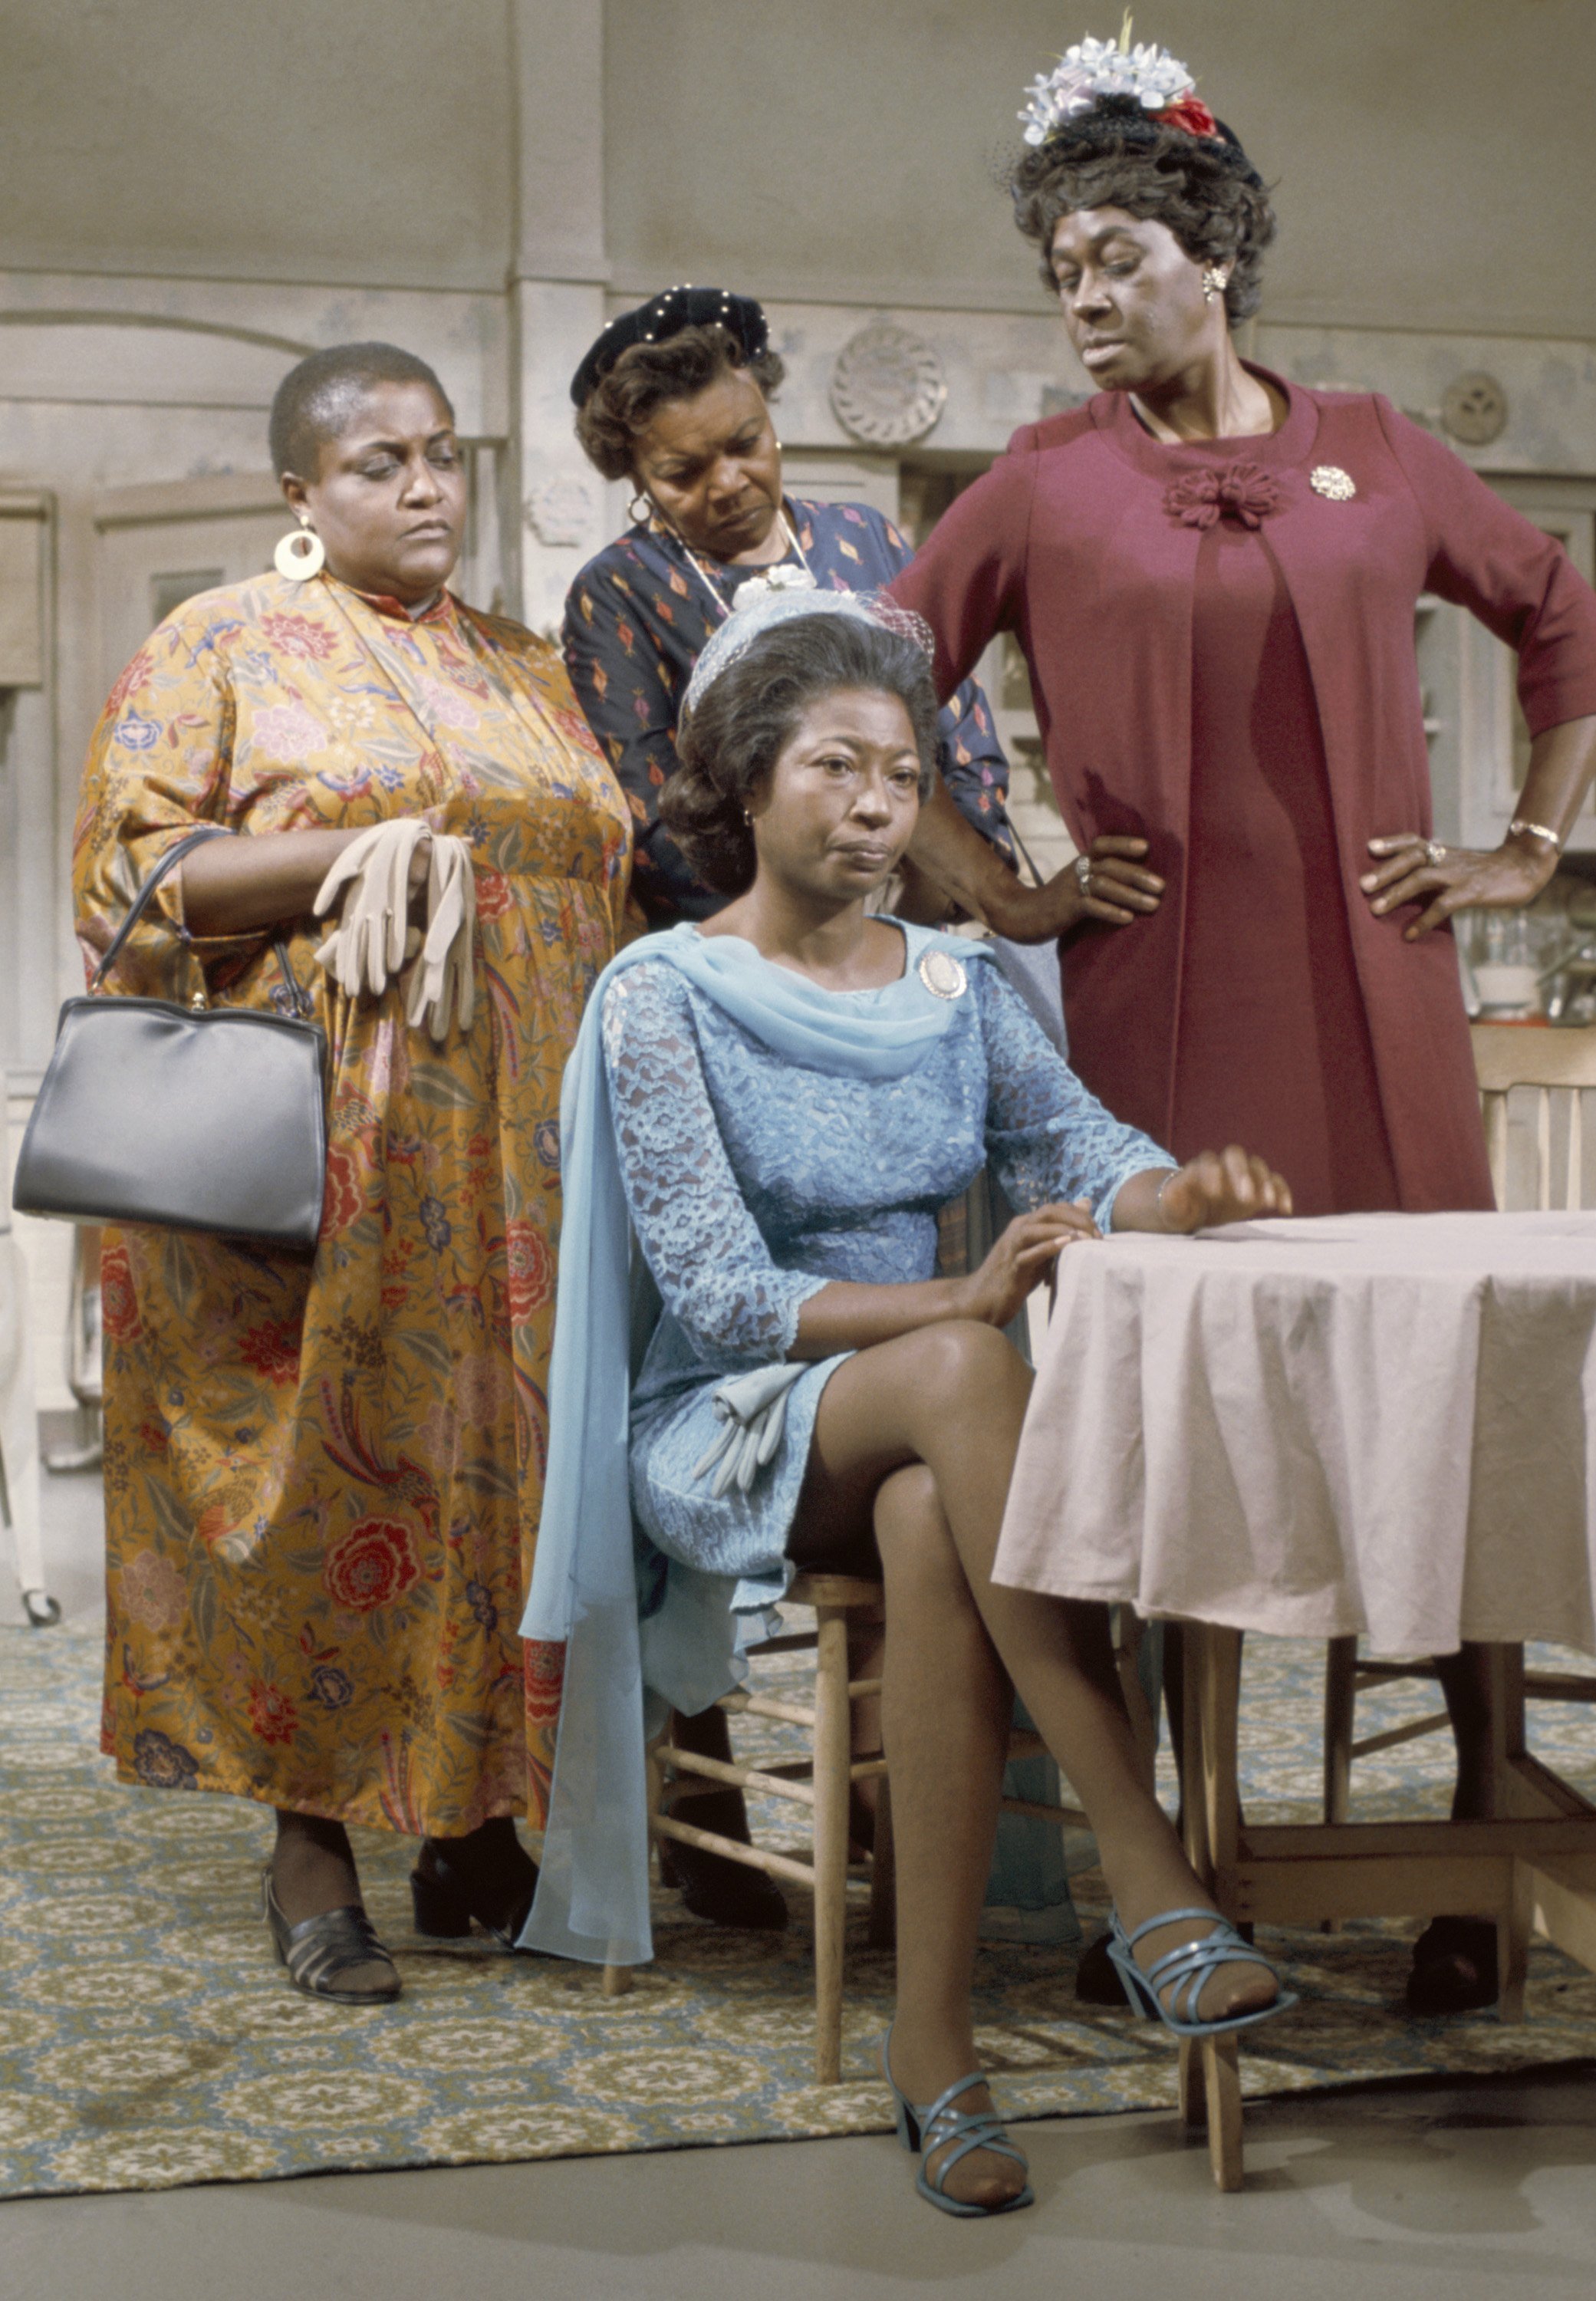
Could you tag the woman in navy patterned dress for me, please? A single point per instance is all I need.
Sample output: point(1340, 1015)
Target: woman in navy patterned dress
point(674, 397)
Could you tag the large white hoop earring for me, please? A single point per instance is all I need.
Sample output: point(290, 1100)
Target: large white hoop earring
point(300, 555)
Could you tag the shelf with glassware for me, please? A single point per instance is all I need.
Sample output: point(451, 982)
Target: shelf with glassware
point(1539, 962)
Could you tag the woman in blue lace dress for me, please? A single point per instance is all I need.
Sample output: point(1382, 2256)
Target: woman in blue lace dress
point(778, 1101)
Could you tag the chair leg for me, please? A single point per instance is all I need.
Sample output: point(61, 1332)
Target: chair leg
point(1222, 2084)
point(1513, 1930)
point(1341, 1678)
point(832, 1759)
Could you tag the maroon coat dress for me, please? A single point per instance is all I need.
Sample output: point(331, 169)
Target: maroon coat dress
point(1221, 643)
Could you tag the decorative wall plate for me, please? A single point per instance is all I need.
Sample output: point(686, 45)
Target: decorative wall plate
point(888, 388)
point(1474, 408)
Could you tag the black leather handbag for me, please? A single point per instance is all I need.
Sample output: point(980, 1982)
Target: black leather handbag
point(206, 1118)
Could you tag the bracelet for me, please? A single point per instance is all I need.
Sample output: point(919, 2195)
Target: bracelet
point(1169, 1176)
point(1521, 828)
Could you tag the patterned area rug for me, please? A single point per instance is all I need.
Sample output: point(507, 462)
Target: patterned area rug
point(147, 2039)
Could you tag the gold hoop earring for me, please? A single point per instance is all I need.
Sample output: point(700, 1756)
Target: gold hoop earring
point(1214, 283)
point(301, 553)
point(636, 516)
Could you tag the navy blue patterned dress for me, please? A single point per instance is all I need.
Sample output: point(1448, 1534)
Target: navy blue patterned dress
point(636, 619)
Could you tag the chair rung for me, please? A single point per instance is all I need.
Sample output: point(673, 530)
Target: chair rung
point(860, 1689)
point(1552, 1686)
point(789, 1642)
point(1390, 1673)
point(762, 1706)
point(868, 1769)
point(1413, 1732)
point(752, 1857)
point(1068, 1817)
point(741, 1777)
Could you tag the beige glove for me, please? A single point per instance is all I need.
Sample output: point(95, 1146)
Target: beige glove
point(441, 978)
point(371, 876)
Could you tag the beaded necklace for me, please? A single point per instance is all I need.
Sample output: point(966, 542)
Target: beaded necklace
point(771, 573)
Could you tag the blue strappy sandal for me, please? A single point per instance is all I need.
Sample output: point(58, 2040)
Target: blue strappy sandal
point(928, 2130)
point(1183, 1971)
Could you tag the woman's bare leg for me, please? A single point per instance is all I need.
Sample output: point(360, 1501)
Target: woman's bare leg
point(936, 1641)
point(953, 1397)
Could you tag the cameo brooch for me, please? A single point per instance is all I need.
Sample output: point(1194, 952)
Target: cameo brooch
point(942, 975)
point(1329, 480)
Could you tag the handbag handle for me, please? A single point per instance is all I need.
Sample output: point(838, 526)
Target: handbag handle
point(140, 904)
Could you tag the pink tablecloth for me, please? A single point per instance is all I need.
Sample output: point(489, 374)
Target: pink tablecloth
point(1383, 1423)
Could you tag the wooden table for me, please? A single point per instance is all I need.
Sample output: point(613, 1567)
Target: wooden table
point(1270, 1361)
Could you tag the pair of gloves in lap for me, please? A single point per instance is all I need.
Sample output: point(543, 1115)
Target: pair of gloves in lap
point(374, 941)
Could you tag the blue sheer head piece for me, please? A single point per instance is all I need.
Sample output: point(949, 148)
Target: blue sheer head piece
point(785, 596)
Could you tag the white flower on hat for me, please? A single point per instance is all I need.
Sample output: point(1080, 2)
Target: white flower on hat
point(1094, 68)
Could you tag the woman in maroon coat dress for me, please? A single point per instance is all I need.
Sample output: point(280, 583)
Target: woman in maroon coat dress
point(1213, 573)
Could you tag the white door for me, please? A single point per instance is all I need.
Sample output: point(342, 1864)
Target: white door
point(160, 545)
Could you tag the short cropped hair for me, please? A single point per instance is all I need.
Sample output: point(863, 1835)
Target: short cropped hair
point(316, 401)
point(624, 402)
point(730, 740)
point(1203, 190)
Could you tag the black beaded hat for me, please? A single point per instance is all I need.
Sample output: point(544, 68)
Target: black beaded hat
point(666, 315)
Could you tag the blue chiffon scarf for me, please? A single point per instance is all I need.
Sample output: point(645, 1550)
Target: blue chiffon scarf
point(592, 1897)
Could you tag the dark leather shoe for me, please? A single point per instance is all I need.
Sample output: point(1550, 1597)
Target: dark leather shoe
point(1454, 1967)
point(323, 1954)
point(446, 1895)
point(726, 1893)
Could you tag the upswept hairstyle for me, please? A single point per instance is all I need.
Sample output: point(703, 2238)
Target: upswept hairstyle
point(316, 401)
point(623, 402)
point(1203, 188)
point(730, 741)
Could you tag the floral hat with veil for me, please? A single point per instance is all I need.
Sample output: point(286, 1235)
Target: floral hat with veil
point(785, 596)
point(1136, 93)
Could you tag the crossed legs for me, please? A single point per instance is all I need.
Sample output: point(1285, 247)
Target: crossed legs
point(916, 1441)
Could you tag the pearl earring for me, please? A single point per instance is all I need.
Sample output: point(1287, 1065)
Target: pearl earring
point(1214, 283)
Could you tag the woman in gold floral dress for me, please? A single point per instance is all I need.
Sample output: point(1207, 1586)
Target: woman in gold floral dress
point(323, 1474)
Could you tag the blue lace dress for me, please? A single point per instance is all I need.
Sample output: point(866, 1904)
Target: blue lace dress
point(752, 1182)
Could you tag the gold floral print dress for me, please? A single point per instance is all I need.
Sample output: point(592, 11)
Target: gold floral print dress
point(323, 1475)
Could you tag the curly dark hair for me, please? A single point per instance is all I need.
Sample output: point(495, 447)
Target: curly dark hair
point(622, 403)
point(318, 400)
point(1203, 188)
point(730, 740)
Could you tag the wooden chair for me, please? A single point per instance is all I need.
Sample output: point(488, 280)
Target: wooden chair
point(821, 1782)
point(1536, 1162)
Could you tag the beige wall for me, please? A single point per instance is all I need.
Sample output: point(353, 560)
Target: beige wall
point(360, 140)
point(1432, 157)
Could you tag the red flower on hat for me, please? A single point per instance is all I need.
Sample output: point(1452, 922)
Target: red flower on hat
point(1192, 113)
